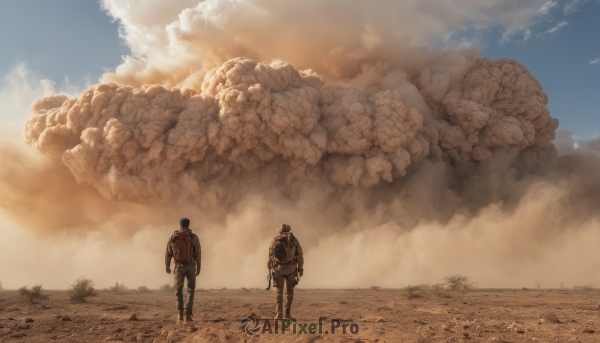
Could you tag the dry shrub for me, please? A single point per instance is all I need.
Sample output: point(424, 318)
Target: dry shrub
point(31, 294)
point(375, 288)
point(82, 289)
point(245, 289)
point(414, 291)
point(438, 286)
point(458, 282)
point(525, 288)
point(118, 287)
point(538, 284)
point(143, 289)
point(166, 287)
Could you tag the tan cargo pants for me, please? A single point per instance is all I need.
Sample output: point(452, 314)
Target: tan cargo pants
point(278, 282)
point(182, 272)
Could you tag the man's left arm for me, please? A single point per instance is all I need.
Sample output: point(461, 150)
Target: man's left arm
point(300, 258)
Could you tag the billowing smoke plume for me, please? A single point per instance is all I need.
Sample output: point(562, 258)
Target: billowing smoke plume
point(281, 128)
point(397, 155)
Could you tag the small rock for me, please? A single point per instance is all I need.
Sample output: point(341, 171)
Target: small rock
point(24, 327)
point(133, 318)
point(521, 331)
point(588, 331)
point(17, 335)
point(192, 329)
point(466, 334)
point(119, 330)
point(65, 319)
point(28, 320)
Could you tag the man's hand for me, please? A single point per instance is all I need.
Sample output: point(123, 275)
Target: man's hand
point(197, 271)
point(168, 270)
point(300, 273)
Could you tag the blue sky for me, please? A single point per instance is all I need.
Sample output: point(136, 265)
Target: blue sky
point(75, 40)
point(59, 39)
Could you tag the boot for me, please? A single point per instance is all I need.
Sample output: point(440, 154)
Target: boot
point(180, 317)
point(188, 318)
point(288, 306)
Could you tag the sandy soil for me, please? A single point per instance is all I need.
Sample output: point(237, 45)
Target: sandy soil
point(380, 316)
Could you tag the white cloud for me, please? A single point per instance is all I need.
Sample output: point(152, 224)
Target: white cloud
point(20, 87)
point(558, 27)
point(527, 35)
point(545, 9)
point(198, 34)
point(595, 61)
point(571, 6)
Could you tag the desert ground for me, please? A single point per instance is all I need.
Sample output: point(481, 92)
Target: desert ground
point(481, 315)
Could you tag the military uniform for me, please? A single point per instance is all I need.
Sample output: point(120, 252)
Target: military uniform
point(184, 271)
point(286, 273)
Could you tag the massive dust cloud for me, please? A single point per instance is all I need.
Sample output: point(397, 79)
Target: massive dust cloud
point(395, 160)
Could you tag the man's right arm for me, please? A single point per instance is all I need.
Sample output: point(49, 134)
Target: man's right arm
point(168, 257)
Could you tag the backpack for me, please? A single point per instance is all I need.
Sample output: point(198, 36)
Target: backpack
point(181, 246)
point(284, 249)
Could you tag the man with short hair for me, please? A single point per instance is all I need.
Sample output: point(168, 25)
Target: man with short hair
point(286, 262)
point(184, 248)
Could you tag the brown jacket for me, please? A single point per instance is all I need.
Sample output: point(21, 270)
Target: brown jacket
point(195, 246)
point(286, 268)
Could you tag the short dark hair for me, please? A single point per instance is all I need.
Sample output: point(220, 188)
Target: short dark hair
point(184, 223)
